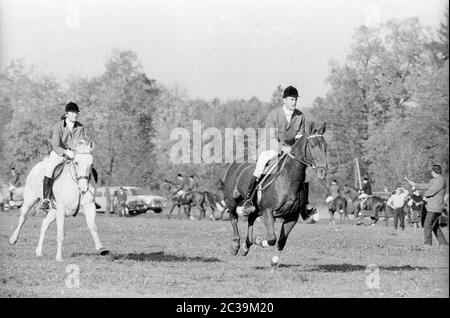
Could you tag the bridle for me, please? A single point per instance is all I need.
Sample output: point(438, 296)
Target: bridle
point(289, 155)
point(302, 160)
point(76, 178)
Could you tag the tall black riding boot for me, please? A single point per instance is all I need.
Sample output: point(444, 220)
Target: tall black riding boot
point(313, 210)
point(46, 199)
point(248, 205)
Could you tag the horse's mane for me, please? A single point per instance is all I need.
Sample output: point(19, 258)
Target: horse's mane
point(82, 146)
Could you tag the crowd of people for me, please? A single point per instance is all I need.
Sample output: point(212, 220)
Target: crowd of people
point(423, 204)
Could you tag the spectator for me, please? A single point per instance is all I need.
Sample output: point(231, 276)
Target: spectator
point(417, 205)
point(333, 193)
point(396, 202)
point(122, 199)
point(14, 183)
point(434, 196)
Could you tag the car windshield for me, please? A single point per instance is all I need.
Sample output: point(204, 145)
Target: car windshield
point(138, 191)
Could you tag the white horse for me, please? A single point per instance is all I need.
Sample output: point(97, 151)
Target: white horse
point(72, 192)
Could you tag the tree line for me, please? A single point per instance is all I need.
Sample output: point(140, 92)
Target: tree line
point(388, 104)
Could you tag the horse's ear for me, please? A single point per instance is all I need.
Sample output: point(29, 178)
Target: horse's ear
point(322, 128)
point(311, 128)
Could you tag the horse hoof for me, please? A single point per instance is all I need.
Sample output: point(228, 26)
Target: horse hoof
point(12, 241)
point(234, 250)
point(103, 251)
point(274, 262)
point(59, 259)
point(245, 249)
point(258, 240)
point(38, 254)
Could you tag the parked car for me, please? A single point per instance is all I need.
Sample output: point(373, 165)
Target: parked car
point(139, 200)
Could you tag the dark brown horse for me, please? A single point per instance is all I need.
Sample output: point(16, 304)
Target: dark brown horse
point(194, 199)
point(215, 202)
point(190, 199)
point(284, 197)
point(338, 204)
point(375, 206)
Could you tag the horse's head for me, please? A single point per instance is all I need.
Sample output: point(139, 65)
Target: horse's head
point(315, 150)
point(83, 162)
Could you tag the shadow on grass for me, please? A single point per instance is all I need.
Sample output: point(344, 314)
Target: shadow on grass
point(357, 268)
point(343, 268)
point(153, 257)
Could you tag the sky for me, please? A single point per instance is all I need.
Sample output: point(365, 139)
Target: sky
point(209, 48)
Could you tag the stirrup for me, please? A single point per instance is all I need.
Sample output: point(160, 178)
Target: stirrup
point(248, 207)
point(45, 205)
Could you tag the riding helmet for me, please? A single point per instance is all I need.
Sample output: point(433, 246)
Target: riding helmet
point(72, 107)
point(290, 91)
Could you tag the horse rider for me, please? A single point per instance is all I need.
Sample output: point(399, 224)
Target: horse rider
point(192, 184)
point(66, 130)
point(181, 188)
point(333, 193)
point(14, 182)
point(289, 125)
point(366, 191)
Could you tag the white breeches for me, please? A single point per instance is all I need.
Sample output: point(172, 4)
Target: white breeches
point(263, 158)
point(53, 160)
point(363, 196)
point(329, 199)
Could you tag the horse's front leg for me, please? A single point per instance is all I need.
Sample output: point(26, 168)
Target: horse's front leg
point(236, 242)
point(51, 216)
point(90, 213)
point(269, 223)
point(249, 240)
point(60, 216)
point(286, 228)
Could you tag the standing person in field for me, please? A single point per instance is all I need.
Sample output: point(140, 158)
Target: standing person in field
point(417, 205)
point(333, 193)
point(122, 201)
point(434, 196)
point(14, 183)
point(396, 202)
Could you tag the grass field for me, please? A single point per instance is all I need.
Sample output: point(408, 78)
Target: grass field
point(155, 257)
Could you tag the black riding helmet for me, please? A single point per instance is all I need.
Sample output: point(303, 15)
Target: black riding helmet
point(72, 107)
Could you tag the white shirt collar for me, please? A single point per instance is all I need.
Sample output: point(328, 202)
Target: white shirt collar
point(288, 113)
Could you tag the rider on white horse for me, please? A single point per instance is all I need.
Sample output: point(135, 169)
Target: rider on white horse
point(64, 132)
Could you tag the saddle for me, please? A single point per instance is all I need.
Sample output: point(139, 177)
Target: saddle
point(267, 177)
